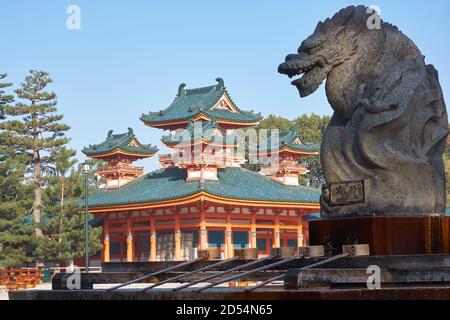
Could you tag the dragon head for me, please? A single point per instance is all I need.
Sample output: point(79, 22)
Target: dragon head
point(333, 42)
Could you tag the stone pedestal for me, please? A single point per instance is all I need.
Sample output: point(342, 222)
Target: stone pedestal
point(385, 235)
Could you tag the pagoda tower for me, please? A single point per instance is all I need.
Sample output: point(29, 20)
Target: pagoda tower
point(201, 149)
point(281, 158)
point(200, 120)
point(120, 151)
point(202, 197)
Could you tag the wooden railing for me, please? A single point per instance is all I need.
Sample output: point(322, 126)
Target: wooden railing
point(284, 165)
point(235, 159)
point(166, 160)
point(20, 278)
point(110, 169)
point(165, 156)
point(202, 159)
point(219, 159)
point(75, 268)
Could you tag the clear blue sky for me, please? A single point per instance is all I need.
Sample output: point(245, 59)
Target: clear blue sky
point(130, 56)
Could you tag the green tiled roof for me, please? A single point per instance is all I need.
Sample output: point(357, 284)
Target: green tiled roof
point(287, 139)
point(120, 141)
point(207, 133)
point(233, 183)
point(191, 102)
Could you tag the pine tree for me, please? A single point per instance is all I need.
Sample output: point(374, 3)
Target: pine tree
point(53, 246)
point(64, 220)
point(17, 241)
point(39, 131)
point(4, 99)
point(76, 236)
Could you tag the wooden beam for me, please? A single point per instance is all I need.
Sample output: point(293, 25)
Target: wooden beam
point(248, 226)
point(203, 196)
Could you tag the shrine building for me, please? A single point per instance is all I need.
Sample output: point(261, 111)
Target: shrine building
point(202, 196)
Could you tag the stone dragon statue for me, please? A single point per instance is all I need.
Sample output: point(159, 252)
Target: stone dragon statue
point(389, 128)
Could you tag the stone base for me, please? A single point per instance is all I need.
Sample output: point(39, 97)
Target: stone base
point(385, 235)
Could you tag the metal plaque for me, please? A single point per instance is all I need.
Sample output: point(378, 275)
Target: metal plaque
point(349, 192)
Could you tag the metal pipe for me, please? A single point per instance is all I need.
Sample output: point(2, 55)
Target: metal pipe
point(265, 282)
point(249, 264)
point(262, 284)
point(237, 276)
point(155, 273)
point(86, 225)
point(190, 273)
point(336, 257)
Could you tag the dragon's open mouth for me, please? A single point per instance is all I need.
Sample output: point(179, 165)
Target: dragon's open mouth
point(304, 72)
point(294, 68)
point(313, 75)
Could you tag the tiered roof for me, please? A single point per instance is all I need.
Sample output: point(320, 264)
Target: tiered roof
point(125, 143)
point(216, 110)
point(291, 141)
point(210, 133)
point(170, 184)
point(200, 103)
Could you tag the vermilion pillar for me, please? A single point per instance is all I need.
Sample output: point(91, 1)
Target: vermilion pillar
point(129, 241)
point(106, 242)
point(203, 239)
point(203, 231)
point(276, 239)
point(225, 245)
point(229, 239)
point(152, 239)
point(177, 234)
point(253, 232)
point(300, 234)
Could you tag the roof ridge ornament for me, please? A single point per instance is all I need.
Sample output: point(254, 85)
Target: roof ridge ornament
point(130, 131)
point(293, 133)
point(110, 134)
point(181, 90)
point(220, 83)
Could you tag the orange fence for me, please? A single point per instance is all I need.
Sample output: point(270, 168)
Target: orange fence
point(20, 278)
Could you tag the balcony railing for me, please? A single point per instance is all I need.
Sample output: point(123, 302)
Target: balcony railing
point(206, 159)
point(166, 160)
point(202, 159)
point(235, 159)
point(120, 168)
point(166, 156)
point(284, 166)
